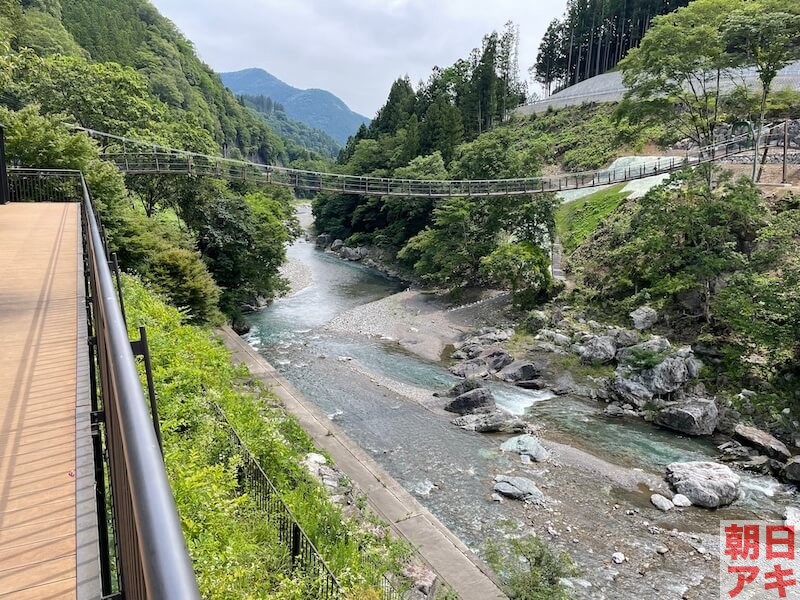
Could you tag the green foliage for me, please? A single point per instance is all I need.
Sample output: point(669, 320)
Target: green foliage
point(530, 570)
point(234, 549)
point(45, 35)
point(577, 220)
point(521, 267)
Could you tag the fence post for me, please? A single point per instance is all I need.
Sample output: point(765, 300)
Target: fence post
point(5, 192)
point(785, 148)
point(295, 542)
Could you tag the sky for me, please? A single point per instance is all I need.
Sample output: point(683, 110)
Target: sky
point(353, 48)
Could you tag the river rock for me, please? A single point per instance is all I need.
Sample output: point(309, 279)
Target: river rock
point(475, 368)
point(337, 245)
point(469, 350)
point(493, 422)
point(629, 391)
point(518, 488)
point(666, 377)
point(681, 501)
point(520, 370)
point(477, 400)
point(697, 416)
point(643, 318)
point(535, 320)
point(532, 384)
point(353, 254)
point(462, 387)
point(761, 440)
point(654, 345)
point(706, 484)
point(625, 337)
point(599, 350)
point(527, 445)
point(557, 338)
point(323, 240)
point(661, 502)
point(791, 470)
point(497, 358)
point(618, 558)
point(614, 410)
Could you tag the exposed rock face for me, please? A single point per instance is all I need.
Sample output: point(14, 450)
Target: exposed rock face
point(599, 350)
point(520, 370)
point(477, 400)
point(706, 484)
point(493, 422)
point(661, 503)
point(761, 440)
point(476, 367)
point(528, 445)
point(791, 470)
point(518, 488)
point(697, 416)
point(644, 317)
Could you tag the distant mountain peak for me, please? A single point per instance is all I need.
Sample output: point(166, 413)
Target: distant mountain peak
point(315, 107)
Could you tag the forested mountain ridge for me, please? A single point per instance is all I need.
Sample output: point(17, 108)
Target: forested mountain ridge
point(316, 108)
point(295, 133)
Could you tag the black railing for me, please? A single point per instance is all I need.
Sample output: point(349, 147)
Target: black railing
point(304, 556)
point(147, 558)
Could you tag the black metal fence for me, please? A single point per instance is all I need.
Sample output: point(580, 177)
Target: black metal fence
point(142, 550)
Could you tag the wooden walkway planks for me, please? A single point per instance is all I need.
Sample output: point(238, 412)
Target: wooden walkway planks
point(40, 296)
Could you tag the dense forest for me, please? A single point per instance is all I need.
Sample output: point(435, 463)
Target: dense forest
point(302, 142)
point(592, 37)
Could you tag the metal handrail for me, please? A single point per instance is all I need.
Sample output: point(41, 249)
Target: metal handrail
point(153, 561)
point(153, 558)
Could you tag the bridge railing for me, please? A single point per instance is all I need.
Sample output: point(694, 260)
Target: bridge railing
point(135, 157)
point(148, 553)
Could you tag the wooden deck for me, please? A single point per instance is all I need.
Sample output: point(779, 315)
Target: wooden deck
point(42, 403)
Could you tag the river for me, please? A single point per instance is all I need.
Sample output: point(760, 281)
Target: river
point(600, 490)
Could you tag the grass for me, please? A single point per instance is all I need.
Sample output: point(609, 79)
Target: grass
point(576, 221)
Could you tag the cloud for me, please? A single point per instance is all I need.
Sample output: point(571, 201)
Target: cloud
point(354, 48)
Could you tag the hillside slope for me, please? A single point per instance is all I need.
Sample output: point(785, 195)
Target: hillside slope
point(317, 108)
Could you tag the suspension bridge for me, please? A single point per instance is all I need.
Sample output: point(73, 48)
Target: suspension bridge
point(139, 157)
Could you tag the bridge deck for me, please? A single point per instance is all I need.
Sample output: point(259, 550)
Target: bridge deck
point(42, 390)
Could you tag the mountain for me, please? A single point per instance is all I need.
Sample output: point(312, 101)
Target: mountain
point(316, 108)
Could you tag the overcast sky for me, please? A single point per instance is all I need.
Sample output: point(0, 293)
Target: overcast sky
point(354, 48)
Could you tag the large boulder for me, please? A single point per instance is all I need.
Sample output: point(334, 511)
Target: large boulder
point(474, 368)
point(520, 370)
point(478, 400)
point(337, 245)
point(654, 345)
point(761, 440)
point(625, 337)
point(323, 240)
point(667, 376)
point(696, 416)
point(469, 350)
point(494, 422)
point(705, 484)
point(528, 445)
point(496, 358)
point(644, 317)
point(353, 254)
point(791, 470)
point(599, 350)
point(518, 488)
point(628, 391)
point(462, 387)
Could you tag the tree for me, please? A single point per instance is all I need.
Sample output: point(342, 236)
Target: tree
point(547, 68)
point(768, 40)
point(397, 110)
point(442, 129)
point(680, 62)
point(520, 266)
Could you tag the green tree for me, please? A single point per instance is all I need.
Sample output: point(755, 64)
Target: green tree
point(769, 40)
point(442, 129)
point(521, 267)
point(680, 62)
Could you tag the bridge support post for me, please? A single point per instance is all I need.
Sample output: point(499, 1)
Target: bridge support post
point(5, 192)
point(785, 149)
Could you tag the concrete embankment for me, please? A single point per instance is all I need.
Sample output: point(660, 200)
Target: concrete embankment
point(456, 564)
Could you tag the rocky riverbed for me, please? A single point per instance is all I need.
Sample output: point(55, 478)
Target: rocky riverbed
point(587, 485)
